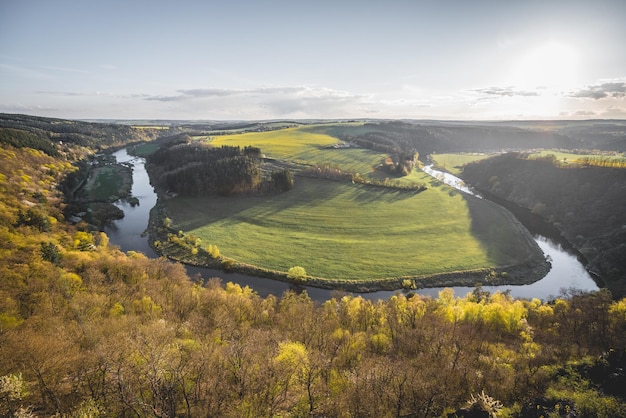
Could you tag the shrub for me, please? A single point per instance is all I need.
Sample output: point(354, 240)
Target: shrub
point(297, 274)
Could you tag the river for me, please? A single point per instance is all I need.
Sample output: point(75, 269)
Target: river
point(129, 235)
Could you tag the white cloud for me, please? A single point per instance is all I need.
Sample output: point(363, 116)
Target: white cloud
point(506, 91)
point(614, 89)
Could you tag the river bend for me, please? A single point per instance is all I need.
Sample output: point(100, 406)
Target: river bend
point(129, 235)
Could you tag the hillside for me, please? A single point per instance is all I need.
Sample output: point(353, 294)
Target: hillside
point(588, 205)
point(429, 137)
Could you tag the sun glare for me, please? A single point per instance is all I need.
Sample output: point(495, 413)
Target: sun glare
point(551, 65)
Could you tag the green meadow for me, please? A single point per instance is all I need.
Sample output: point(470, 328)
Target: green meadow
point(340, 230)
point(108, 182)
point(565, 158)
point(304, 146)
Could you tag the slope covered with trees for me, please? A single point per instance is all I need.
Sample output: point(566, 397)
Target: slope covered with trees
point(431, 138)
point(58, 132)
point(587, 204)
point(193, 168)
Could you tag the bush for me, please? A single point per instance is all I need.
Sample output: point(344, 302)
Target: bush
point(297, 274)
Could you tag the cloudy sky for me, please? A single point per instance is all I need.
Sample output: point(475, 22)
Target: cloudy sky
point(268, 59)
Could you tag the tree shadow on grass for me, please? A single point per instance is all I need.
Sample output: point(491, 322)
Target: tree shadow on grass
point(192, 213)
point(374, 193)
point(505, 239)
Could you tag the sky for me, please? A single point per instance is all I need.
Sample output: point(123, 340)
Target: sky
point(275, 59)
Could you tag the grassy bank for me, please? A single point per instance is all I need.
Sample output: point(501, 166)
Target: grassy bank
point(108, 183)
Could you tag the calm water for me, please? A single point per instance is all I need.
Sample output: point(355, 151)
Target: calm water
point(567, 272)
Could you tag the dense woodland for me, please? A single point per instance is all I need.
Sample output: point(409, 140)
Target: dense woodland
point(428, 139)
point(61, 133)
point(588, 205)
point(193, 168)
point(87, 330)
point(440, 137)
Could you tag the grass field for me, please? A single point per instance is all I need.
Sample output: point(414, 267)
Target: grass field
point(108, 182)
point(145, 149)
point(302, 145)
point(452, 163)
point(566, 158)
point(344, 231)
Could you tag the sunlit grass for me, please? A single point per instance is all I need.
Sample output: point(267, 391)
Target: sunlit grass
point(566, 158)
point(302, 145)
point(339, 230)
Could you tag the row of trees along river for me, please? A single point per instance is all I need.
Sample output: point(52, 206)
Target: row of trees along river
point(129, 234)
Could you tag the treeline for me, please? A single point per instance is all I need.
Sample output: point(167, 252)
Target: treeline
point(330, 172)
point(588, 205)
point(606, 161)
point(602, 161)
point(426, 138)
point(400, 163)
point(190, 168)
point(25, 139)
point(86, 134)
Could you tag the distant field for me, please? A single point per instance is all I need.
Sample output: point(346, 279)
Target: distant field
point(453, 163)
point(566, 158)
point(106, 182)
point(344, 231)
point(302, 145)
point(145, 149)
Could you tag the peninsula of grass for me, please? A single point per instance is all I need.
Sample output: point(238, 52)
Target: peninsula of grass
point(341, 231)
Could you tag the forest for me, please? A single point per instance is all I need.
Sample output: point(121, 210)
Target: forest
point(587, 204)
point(191, 168)
point(88, 330)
